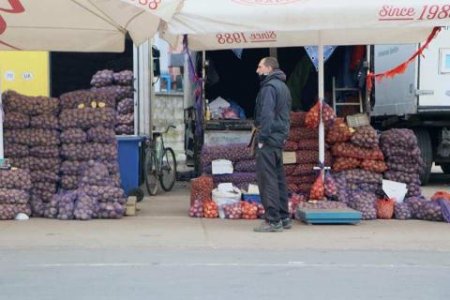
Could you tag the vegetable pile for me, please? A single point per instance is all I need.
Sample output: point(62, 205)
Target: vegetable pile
point(118, 87)
point(403, 158)
point(15, 185)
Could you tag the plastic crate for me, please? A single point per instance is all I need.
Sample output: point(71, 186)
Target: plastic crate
point(251, 198)
point(129, 162)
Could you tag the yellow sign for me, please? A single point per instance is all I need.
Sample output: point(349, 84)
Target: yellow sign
point(26, 72)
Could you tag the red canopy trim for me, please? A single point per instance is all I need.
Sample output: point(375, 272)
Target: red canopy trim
point(402, 67)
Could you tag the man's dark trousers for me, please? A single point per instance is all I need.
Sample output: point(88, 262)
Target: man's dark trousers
point(272, 183)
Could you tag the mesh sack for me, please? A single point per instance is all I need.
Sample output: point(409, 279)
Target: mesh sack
point(201, 189)
point(14, 196)
point(49, 164)
point(101, 135)
point(124, 77)
point(196, 209)
point(245, 166)
point(365, 203)
point(110, 210)
point(377, 166)
point(15, 120)
point(232, 152)
point(43, 137)
point(85, 207)
point(385, 208)
point(87, 118)
point(49, 122)
point(402, 211)
point(45, 151)
point(339, 132)
point(309, 144)
point(16, 150)
point(102, 78)
point(66, 205)
point(44, 176)
point(16, 136)
point(15, 179)
point(124, 129)
point(300, 133)
point(125, 106)
point(73, 136)
point(365, 136)
point(395, 137)
point(29, 105)
point(290, 146)
point(298, 119)
point(345, 163)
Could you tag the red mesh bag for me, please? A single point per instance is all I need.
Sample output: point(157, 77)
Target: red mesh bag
point(313, 116)
point(377, 166)
point(298, 119)
point(201, 188)
point(345, 163)
point(385, 208)
point(210, 209)
point(339, 132)
point(317, 189)
point(249, 210)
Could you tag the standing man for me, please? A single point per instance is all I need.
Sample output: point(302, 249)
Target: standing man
point(273, 106)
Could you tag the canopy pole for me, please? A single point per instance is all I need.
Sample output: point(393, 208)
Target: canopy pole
point(1, 132)
point(321, 97)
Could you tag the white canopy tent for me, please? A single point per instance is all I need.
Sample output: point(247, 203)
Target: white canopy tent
point(101, 25)
point(227, 24)
point(76, 25)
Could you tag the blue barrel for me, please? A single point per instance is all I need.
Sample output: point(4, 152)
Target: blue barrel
point(129, 161)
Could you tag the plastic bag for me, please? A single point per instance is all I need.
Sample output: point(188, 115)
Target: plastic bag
point(249, 210)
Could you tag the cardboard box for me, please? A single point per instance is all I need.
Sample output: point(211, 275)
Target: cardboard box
point(289, 158)
point(131, 206)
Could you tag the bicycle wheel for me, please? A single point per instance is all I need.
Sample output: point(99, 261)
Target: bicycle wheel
point(150, 173)
point(168, 170)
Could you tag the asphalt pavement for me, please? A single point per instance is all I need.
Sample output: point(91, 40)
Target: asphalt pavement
point(163, 254)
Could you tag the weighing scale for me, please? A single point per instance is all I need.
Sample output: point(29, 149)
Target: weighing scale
point(328, 215)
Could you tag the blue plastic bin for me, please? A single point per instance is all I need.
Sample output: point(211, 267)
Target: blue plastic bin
point(129, 161)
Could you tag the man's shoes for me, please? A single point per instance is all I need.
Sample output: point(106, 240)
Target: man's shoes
point(269, 227)
point(287, 223)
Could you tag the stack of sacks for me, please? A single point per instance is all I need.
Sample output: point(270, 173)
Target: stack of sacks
point(242, 159)
point(15, 185)
point(120, 86)
point(87, 122)
point(358, 189)
point(361, 151)
point(305, 142)
point(403, 158)
point(40, 141)
point(97, 196)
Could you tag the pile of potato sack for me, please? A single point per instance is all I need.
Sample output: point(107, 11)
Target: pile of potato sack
point(64, 154)
point(360, 159)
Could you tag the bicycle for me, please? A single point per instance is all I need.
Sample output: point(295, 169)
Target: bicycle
point(160, 163)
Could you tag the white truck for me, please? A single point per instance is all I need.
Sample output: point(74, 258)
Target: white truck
point(419, 99)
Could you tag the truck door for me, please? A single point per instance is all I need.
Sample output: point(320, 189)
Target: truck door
point(395, 96)
point(434, 74)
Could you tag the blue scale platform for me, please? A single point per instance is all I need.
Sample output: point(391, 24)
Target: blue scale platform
point(329, 216)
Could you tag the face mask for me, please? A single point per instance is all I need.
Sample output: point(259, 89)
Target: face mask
point(262, 77)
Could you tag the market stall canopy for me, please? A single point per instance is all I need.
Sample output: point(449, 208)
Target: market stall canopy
point(225, 24)
point(78, 25)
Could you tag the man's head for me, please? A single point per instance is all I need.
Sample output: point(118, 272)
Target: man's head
point(267, 65)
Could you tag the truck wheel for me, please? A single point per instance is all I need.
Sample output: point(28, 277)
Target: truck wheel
point(445, 168)
point(424, 142)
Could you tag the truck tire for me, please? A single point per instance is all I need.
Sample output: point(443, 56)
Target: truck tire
point(426, 149)
point(445, 168)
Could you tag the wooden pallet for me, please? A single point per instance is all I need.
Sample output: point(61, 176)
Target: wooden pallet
point(329, 216)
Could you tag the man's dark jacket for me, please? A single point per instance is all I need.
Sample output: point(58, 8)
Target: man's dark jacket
point(273, 106)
